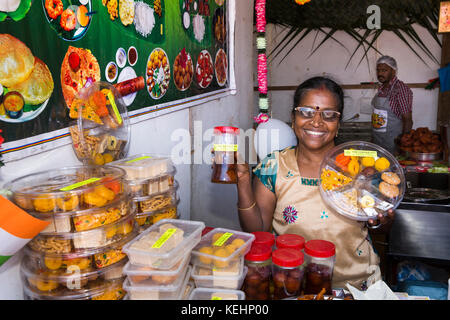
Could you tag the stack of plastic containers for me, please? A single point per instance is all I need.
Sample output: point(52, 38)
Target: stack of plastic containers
point(151, 180)
point(218, 263)
point(158, 267)
point(79, 255)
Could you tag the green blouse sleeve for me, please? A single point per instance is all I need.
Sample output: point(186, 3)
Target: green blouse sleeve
point(266, 171)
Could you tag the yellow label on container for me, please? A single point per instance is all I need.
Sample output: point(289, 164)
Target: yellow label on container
point(114, 106)
point(360, 153)
point(219, 242)
point(165, 236)
point(79, 184)
point(225, 147)
point(216, 298)
point(138, 159)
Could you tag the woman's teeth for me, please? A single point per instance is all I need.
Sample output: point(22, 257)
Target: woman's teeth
point(315, 133)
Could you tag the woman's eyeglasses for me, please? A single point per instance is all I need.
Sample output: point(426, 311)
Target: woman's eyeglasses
point(309, 113)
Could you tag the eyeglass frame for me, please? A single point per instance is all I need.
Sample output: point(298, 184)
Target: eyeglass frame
point(316, 109)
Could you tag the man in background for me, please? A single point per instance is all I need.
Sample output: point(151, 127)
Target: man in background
point(392, 106)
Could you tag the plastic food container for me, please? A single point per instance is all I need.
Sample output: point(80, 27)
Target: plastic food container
point(157, 201)
point(164, 243)
point(102, 133)
point(319, 261)
point(359, 180)
point(147, 219)
point(221, 247)
point(216, 294)
point(141, 167)
point(291, 241)
point(71, 279)
point(287, 273)
point(168, 292)
point(109, 290)
point(83, 259)
point(148, 187)
point(225, 145)
point(70, 242)
point(265, 238)
point(68, 189)
point(228, 278)
point(147, 276)
point(257, 281)
point(187, 290)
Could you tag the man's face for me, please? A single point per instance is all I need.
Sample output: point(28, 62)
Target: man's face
point(385, 73)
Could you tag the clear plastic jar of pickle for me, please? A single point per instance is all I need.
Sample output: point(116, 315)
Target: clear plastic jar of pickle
point(319, 260)
point(265, 238)
point(225, 145)
point(257, 281)
point(287, 273)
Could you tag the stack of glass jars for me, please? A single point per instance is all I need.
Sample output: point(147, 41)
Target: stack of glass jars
point(151, 180)
point(158, 267)
point(218, 260)
point(79, 254)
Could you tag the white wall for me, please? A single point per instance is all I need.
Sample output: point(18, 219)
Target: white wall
point(331, 60)
point(200, 199)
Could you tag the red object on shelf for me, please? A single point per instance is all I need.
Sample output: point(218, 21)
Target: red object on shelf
point(206, 230)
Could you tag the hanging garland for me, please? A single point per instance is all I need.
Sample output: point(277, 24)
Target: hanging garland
point(263, 101)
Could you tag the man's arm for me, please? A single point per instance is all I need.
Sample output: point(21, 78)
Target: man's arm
point(407, 122)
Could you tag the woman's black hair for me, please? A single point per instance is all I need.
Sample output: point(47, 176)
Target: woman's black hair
point(320, 83)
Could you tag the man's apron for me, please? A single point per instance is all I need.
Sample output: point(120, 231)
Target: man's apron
point(386, 126)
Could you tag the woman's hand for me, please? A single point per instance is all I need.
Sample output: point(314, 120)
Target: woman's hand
point(242, 168)
point(382, 220)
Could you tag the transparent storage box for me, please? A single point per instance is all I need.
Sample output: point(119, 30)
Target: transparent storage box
point(148, 187)
point(73, 278)
point(145, 166)
point(156, 201)
point(171, 292)
point(147, 219)
point(68, 189)
point(216, 294)
point(145, 276)
point(90, 258)
point(359, 180)
point(96, 238)
point(229, 278)
point(164, 243)
point(221, 247)
point(109, 290)
point(102, 133)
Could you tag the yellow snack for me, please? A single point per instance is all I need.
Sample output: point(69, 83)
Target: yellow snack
point(104, 192)
point(382, 164)
point(111, 232)
point(206, 250)
point(99, 160)
point(353, 167)
point(68, 203)
point(221, 253)
point(53, 263)
point(46, 285)
point(368, 161)
point(231, 248)
point(216, 237)
point(125, 228)
point(367, 202)
point(107, 158)
point(332, 180)
point(141, 220)
point(93, 199)
point(44, 204)
point(238, 242)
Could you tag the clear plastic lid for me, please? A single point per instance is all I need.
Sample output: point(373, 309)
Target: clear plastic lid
point(219, 247)
point(148, 187)
point(145, 166)
point(108, 290)
point(216, 294)
point(157, 201)
point(359, 180)
point(203, 280)
point(102, 133)
point(162, 245)
point(147, 219)
point(155, 277)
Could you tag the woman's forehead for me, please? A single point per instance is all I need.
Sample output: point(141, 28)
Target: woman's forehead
point(322, 98)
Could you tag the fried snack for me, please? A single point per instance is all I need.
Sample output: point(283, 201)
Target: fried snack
point(126, 11)
point(51, 245)
point(112, 9)
point(155, 203)
point(332, 180)
point(16, 61)
point(388, 190)
point(68, 203)
point(391, 178)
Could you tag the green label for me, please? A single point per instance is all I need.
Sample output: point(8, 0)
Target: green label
point(225, 147)
point(216, 298)
point(222, 239)
point(360, 153)
point(79, 184)
point(138, 159)
point(166, 236)
point(114, 106)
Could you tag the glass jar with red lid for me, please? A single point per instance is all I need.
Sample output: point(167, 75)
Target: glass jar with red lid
point(259, 264)
point(290, 241)
point(225, 145)
point(319, 260)
point(287, 272)
point(265, 238)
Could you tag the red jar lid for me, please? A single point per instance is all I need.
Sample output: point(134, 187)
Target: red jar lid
point(258, 252)
point(263, 237)
point(288, 258)
point(320, 248)
point(293, 241)
point(222, 129)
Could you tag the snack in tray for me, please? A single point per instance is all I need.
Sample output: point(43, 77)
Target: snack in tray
point(183, 70)
point(147, 242)
point(421, 140)
point(158, 73)
point(204, 71)
point(333, 180)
